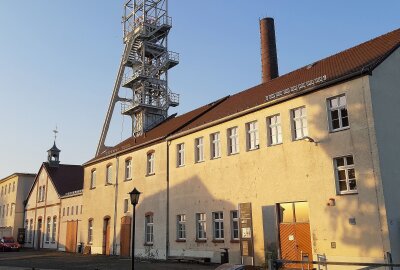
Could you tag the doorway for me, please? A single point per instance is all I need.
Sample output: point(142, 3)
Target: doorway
point(72, 232)
point(294, 233)
point(125, 237)
point(106, 236)
point(39, 233)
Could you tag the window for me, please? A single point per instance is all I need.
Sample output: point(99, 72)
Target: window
point(345, 175)
point(30, 231)
point(235, 225)
point(233, 141)
point(72, 210)
point(109, 174)
point(274, 130)
point(252, 135)
point(150, 163)
point(11, 209)
point(215, 145)
point(63, 211)
point(201, 226)
point(218, 225)
point(338, 117)
point(93, 179)
point(53, 232)
point(128, 169)
point(81, 209)
point(67, 211)
point(9, 188)
point(90, 231)
point(13, 189)
point(181, 227)
point(180, 154)
point(76, 210)
point(48, 229)
point(199, 149)
point(26, 230)
point(40, 194)
point(126, 205)
point(8, 206)
point(149, 229)
point(299, 120)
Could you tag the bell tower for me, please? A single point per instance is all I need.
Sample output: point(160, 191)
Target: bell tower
point(53, 154)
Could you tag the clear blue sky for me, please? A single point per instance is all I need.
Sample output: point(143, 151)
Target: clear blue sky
point(59, 59)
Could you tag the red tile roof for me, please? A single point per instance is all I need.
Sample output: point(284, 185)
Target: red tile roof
point(350, 63)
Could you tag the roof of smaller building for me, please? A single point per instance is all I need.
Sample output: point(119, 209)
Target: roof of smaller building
point(66, 178)
point(16, 174)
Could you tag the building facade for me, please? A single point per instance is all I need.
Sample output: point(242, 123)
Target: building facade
point(313, 151)
point(14, 190)
point(54, 206)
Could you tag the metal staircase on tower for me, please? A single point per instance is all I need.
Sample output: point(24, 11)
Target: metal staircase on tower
point(144, 67)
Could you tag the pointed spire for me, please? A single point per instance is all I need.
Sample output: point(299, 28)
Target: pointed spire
point(53, 154)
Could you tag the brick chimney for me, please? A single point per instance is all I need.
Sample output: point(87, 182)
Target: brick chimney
point(269, 59)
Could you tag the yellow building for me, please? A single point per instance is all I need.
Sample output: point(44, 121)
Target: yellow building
point(314, 152)
point(54, 206)
point(14, 190)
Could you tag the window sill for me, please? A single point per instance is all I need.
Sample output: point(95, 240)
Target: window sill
point(108, 184)
point(148, 244)
point(213, 158)
point(235, 241)
point(347, 193)
point(92, 188)
point(150, 174)
point(233, 154)
point(275, 144)
point(218, 241)
point(200, 161)
point(180, 240)
point(180, 166)
point(253, 149)
point(201, 240)
point(338, 129)
point(127, 179)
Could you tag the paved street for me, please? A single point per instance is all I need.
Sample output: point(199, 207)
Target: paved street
point(28, 259)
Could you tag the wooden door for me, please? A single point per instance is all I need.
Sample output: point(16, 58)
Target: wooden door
point(125, 236)
point(72, 232)
point(294, 233)
point(106, 237)
point(39, 234)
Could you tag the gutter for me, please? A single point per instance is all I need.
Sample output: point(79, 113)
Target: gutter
point(167, 244)
point(115, 204)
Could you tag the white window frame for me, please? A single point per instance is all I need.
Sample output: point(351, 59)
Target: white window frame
point(299, 123)
point(252, 136)
point(340, 107)
point(215, 142)
point(218, 225)
point(126, 205)
point(233, 140)
point(274, 130)
point(93, 179)
point(347, 168)
point(149, 229)
point(48, 229)
point(235, 225)
point(90, 231)
point(201, 226)
point(180, 155)
point(54, 230)
point(109, 174)
point(128, 169)
point(150, 163)
point(181, 227)
point(199, 149)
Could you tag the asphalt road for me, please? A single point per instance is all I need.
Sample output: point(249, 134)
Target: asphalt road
point(28, 259)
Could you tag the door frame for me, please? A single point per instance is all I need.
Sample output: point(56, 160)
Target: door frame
point(106, 235)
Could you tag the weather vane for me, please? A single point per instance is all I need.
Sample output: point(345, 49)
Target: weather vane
point(55, 131)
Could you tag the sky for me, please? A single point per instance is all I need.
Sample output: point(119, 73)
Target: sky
point(59, 60)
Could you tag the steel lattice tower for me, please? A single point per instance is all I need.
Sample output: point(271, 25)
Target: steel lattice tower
point(144, 67)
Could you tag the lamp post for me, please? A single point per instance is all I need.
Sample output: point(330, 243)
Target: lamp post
point(134, 194)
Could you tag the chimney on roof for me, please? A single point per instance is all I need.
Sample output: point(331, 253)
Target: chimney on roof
point(269, 59)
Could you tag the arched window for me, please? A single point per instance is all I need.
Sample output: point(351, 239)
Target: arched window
point(30, 231)
point(149, 232)
point(54, 230)
point(26, 230)
point(93, 179)
point(90, 231)
point(128, 169)
point(150, 162)
point(109, 174)
point(48, 229)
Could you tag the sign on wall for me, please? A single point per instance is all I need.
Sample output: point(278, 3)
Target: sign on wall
point(246, 230)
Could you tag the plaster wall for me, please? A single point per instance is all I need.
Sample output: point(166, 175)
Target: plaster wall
point(288, 172)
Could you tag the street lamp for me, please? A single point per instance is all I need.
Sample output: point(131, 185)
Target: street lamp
point(134, 194)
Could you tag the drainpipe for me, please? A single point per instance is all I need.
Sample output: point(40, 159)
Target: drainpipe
point(167, 233)
point(115, 204)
